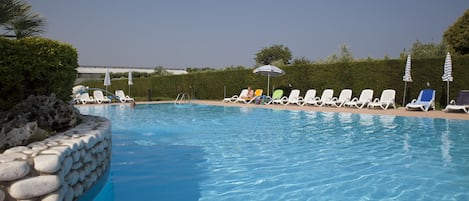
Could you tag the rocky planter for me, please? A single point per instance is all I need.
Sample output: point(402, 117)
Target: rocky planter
point(61, 167)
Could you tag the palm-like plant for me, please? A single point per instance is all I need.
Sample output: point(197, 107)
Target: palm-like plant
point(16, 16)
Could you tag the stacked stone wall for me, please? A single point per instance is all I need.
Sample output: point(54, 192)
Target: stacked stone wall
point(62, 167)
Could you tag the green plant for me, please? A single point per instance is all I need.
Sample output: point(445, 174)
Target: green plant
point(375, 74)
point(35, 66)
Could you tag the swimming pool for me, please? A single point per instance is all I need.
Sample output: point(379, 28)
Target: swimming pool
point(201, 152)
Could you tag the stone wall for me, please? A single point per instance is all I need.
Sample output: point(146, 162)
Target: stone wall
point(62, 167)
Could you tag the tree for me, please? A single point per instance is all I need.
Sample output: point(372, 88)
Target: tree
point(344, 57)
point(345, 54)
point(421, 50)
point(17, 17)
point(7, 10)
point(274, 53)
point(199, 70)
point(301, 60)
point(160, 71)
point(239, 67)
point(457, 35)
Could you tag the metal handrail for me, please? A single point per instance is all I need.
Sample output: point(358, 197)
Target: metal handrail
point(182, 98)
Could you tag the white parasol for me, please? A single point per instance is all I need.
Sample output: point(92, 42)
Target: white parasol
point(407, 77)
point(269, 71)
point(447, 71)
point(107, 79)
point(130, 82)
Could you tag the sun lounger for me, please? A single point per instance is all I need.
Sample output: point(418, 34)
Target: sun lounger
point(257, 94)
point(86, 98)
point(293, 98)
point(424, 102)
point(345, 95)
point(122, 97)
point(460, 104)
point(233, 99)
point(366, 96)
point(326, 96)
point(310, 97)
point(276, 97)
point(387, 99)
point(100, 98)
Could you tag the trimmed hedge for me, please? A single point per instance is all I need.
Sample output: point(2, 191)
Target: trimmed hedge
point(35, 66)
point(377, 75)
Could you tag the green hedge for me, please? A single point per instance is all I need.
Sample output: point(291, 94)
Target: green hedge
point(377, 75)
point(35, 66)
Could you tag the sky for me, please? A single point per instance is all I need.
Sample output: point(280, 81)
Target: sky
point(223, 33)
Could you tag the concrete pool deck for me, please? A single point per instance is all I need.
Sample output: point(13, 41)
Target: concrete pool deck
point(397, 112)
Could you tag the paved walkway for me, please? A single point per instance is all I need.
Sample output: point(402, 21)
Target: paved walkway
point(399, 111)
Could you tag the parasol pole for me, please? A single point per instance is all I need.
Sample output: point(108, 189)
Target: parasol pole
point(268, 83)
point(447, 93)
point(405, 88)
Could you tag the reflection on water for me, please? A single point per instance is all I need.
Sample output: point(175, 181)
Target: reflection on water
point(446, 144)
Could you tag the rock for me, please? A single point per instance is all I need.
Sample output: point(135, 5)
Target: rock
point(35, 119)
point(19, 136)
point(2, 195)
point(13, 170)
point(47, 163)
point(34, 186)
point(7, 157)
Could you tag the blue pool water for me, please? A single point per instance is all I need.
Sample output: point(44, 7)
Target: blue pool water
point(200, 152)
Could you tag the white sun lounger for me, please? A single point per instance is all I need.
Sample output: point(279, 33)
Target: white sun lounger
point(310, 97)
point(326, 96)
point(387, 99)
point(345, 95)
point(100, 98)
point(86, 98)
point(293, 98)
point(233, 99)
point(122, 97)
point(366, 96)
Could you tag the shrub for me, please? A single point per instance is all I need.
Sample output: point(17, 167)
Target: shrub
point(375, 74)
point(35, 66)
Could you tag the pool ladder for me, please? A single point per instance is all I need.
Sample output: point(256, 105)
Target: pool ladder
point(182, 98)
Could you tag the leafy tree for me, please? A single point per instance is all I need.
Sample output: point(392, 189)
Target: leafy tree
point(198, 70)
point(457, 35)
point(344, 56)
point(273, 53)
point(7, 10)
point(17, 17)
point(160, 71)
point(239, 67)
point(301, 60)
point(422, 50)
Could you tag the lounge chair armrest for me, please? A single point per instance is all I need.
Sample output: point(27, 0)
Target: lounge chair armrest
point(376, 100)
point(413, 100)
point(355, 99)
point(452, 102)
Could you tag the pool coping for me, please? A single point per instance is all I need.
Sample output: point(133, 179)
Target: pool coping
point(400, 111)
